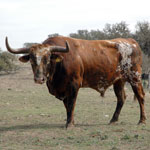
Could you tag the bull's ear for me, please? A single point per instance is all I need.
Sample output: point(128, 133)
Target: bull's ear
point(56, 58)
point(24, 59)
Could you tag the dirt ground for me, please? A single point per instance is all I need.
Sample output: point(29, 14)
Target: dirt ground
point(24, 75)
point(32, 119)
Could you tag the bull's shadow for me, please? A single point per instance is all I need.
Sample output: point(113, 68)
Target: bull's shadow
point(43, 126)
point(31, 126)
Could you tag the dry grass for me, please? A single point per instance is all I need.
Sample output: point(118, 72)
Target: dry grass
point(32, 119)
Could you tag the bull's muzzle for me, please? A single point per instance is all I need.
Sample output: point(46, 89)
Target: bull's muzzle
point(39, 80)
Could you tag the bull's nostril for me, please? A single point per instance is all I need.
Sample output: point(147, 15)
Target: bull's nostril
point(39, 80)
point(42, 80)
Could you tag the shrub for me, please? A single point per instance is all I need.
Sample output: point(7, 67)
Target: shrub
point(7, 62)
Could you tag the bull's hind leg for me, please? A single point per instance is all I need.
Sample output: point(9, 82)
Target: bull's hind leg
point(139, 92)
point(120, 94)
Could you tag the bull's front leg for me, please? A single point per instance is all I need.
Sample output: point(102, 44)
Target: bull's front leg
point(69, 103)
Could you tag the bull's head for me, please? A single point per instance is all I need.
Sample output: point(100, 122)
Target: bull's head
point(40, 57)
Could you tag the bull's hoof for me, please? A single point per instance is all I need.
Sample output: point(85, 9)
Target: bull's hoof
point(113, 121)
point(142, 122)
point(69, 125)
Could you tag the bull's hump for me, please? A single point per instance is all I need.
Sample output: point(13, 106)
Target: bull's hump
point(125, 49)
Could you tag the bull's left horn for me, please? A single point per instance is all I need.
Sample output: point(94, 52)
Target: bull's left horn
point(60, 48)
point(16, 51)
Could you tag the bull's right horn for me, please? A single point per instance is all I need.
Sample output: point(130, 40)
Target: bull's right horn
point(60, 48)
point(16, 51)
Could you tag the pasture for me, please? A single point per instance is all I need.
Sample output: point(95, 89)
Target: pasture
point(32, 119)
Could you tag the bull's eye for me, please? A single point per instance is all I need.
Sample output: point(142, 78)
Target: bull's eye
point(31, 61)
point(44, 60)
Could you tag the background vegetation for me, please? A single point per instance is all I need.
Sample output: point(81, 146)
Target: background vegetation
point(7, 62)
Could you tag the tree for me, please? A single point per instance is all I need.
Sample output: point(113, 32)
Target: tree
point(117, 30)
point(97, 35)
point(53, 35)
point(146, 64)
point(81, 34)
point(7, 62)
point(146, 67)
point(142, 36)
point(28, 45)
point(109, 32)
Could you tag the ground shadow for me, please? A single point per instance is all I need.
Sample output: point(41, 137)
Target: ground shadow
point(31, 126)
point(43, 126)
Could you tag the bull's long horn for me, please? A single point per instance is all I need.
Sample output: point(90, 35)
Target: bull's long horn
point(60, 48)
point(16, 51)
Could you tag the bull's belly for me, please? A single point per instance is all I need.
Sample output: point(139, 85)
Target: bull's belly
point(101, 84)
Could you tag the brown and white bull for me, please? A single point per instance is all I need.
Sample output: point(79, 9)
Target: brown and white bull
point(67, 64)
